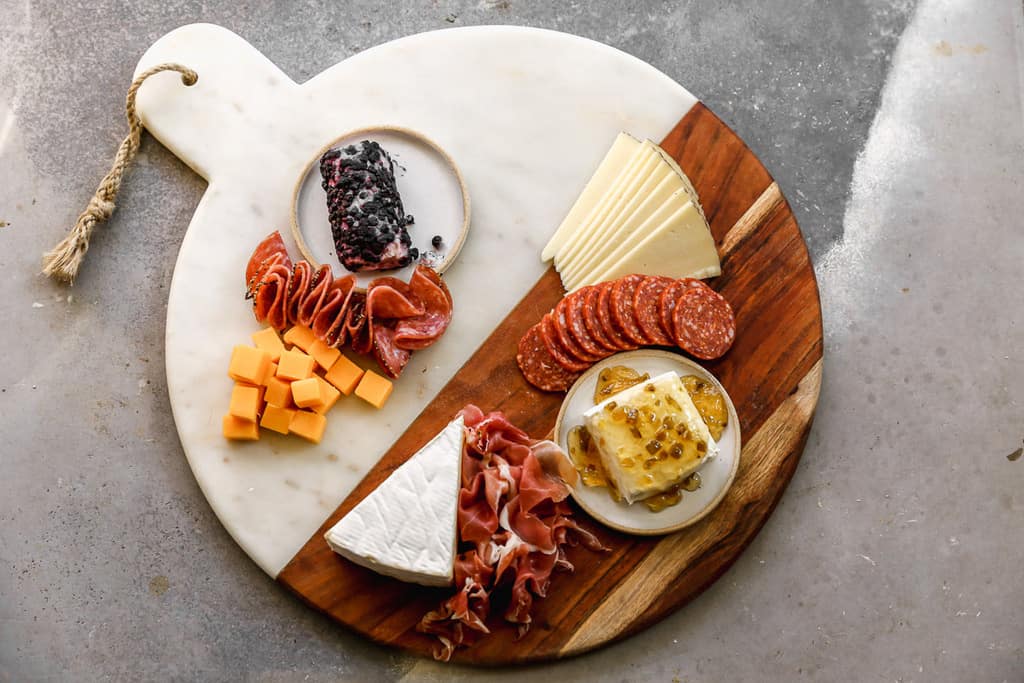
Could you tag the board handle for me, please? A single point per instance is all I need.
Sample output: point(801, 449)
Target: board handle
point(211, 125)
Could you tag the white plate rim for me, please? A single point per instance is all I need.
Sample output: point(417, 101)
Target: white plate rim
point(623, 359)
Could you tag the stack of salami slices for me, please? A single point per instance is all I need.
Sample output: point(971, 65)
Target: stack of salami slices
point(599, 320)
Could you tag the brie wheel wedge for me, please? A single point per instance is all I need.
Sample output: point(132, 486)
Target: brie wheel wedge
point(406, 527)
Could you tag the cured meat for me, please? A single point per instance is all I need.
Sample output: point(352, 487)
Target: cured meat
point(329, 320)
point(389, 297)
point(357, 329)
point(622, 307)
point(554, 346)
point(592, 319)
point(561, 317)
point(389, 357)
point(599, 320)
point(367, 218)
point(267, 253)
point(298, 287)
point(604, 314)
point(270, 295)
point(312, 300)
point(539, 367)
point(646, 304)
point(704, 323)
point(578, 326)
point(419, 332)
point(514, 526)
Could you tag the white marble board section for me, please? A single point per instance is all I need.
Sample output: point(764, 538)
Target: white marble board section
point(526, 114)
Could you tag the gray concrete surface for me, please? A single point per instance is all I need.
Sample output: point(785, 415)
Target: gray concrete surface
point(895, 554)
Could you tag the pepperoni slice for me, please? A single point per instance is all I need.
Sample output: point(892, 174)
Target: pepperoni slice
point(267, 253)
point(704, 324)
point(562, 323)
point(604, 315)
point(555, 348)
point(578, 326)
point(646, 305)
point(622, 307)
point(592, 319)
point(539, 367)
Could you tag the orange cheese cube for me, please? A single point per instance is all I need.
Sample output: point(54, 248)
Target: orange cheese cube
point(344, 374)
point(329, 394)
point(309, 426)
point(374, 389)
point(268, 340)
point(245, 402)
point(325, 355)
point(300, 336)
point(306, 392)
point(277, 419)
point(239, 429)
point(271, 371)
point(279, 393)
point(295, 365)
point(248, 364)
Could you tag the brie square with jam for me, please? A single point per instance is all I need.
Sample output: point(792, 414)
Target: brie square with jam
point(406, 527)
point(650, 437)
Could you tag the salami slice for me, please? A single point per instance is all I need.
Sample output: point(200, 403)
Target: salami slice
point(622, 307)
point(270, 296)
point(539, 367)
point(329, 321)
point(389, 297)
point(667, 307)
point(389, 357)
point(267, 253)
point(563, 323)
point(604, 315)
point(302, 276)
point(704, 324)
point(310, 303)
point(592, 319)
point(555, 348)
point(578, 325)
point(421, 331)
point(646, 306)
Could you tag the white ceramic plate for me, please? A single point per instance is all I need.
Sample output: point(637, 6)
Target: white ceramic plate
point(432, 191)
point(716, 474)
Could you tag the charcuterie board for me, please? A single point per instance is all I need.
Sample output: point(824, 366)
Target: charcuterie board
point(278, 497)
point(773, 375)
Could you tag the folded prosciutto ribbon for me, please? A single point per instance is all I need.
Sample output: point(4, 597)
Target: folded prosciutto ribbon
point(514, 524)
point(390, 319)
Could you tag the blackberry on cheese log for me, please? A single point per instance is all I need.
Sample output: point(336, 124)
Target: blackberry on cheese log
point(367, 218)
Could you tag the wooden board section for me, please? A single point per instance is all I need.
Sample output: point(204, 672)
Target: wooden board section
point(772, 373)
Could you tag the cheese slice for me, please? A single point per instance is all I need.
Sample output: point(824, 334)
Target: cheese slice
point(607, 171)
point(670, 209)
point(655, 192)
point(406, 527)
point(682, 246)
point(643, 163)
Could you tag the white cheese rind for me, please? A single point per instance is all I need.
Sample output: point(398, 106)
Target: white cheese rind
point(607, 171)
point(406, 527)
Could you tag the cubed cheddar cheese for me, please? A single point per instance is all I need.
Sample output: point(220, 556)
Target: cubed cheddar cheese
point(344, 374)
point(268, 340)
point(374, 389)
point(295, 365)
point(279, 393)
point(248, 364)
point(277, 419)
point(246, 402)
point(306, 392)
point(324, 355)
point(271, 372)
point(308, 425)
point(328, 393)
point(239, 429)
point(300, 336)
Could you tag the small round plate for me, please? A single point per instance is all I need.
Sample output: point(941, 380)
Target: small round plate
point(716, 474)
point(432, 189)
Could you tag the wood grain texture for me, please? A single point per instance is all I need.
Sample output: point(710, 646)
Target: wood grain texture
point(772, 373)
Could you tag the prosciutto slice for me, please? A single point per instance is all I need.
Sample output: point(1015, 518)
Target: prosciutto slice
point(514, 524)
point(388, 320)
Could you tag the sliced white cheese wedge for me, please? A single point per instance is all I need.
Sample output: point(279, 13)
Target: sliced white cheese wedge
point(682, 246)
point(671, 208)
point(644, 162)
point(654, 193)
point(406, 528)
point(608, 170)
